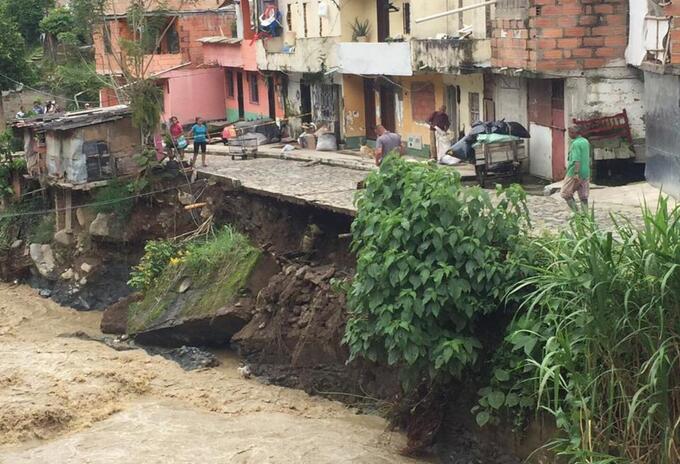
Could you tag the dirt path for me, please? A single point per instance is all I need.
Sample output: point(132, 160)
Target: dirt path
point(67, 400)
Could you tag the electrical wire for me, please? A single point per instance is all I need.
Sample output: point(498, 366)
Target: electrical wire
point(96, 203)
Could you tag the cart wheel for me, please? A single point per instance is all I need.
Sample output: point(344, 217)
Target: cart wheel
point(254, 155)
point(233, 157)
point(481, 175)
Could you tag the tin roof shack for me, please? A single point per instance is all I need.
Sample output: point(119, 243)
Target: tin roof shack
point(78, 148)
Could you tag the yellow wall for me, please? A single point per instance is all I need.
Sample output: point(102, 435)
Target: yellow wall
point(361, 9)
point(449, 24)
point(408, 127)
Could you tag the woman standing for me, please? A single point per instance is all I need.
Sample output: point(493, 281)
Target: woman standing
point(200, 133)
point(177, 136)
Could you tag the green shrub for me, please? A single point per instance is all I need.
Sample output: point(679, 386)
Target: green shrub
point(433, 259)
point(157, 256)
point(43, 232)
point(116, 197)
point(597, 343)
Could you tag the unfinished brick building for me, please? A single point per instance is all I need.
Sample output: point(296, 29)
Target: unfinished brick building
point(556, 60)
point(190, 87)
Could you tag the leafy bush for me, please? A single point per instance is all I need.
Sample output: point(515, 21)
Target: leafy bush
point(43, 231)
point(157, 256)
point(73, 78)
point(597, 343)
point(433, 259)
point(19, 221)
point(116, 197)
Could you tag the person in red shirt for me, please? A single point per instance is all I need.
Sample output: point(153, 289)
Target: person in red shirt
point(177, 131)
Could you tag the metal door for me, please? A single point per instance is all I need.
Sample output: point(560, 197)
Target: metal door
point(540, 151)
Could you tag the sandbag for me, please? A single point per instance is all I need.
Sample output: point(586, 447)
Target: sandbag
point(518, 130)
point(463, 150)
point(327, 142)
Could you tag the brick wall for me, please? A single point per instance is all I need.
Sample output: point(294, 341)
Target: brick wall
point(559, 35)
point(673, 10)
point(189, 27)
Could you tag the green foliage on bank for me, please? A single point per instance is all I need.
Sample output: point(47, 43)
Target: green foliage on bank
point(19, 221)
point(434, 260)
point(117, 197)
point(597, 342)
point(216, 268)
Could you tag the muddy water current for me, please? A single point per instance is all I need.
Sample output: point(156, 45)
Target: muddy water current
point(69, 400)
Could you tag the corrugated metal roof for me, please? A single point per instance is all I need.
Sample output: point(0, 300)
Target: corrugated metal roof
point(74, 120)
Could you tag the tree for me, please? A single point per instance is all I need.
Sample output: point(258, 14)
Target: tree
point(13, 65)
point(27, 15)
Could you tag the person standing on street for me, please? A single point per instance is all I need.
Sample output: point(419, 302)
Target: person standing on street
point(177, 137)
point(578, 171)
point(200, 133)
point(438, 120)
point(386, 143)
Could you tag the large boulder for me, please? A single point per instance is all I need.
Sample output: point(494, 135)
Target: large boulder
point(43, 259)
point(109, 227)
point(85, 217)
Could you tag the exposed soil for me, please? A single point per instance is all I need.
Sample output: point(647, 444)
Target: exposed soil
point(71, 400)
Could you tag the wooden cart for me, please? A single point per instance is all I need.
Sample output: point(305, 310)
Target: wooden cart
point(500, 160)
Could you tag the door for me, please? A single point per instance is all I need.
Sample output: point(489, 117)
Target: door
point(452, 107)
point(540, 153)
point(306, 102)
point(369, 108)
point(271, 97)
point(383, 11)
point(559, 169)
point(387, 108)
point(241, 98)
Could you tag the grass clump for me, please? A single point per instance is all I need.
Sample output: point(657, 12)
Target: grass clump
point(116, 198)
point(597, 342)
point(218, 267)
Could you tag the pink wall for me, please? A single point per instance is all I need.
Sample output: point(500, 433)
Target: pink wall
point(241, 55)
point(195, 92)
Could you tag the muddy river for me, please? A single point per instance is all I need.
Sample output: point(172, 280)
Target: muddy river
point(65, 399)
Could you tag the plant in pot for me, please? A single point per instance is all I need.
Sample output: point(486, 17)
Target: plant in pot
point(360, 30)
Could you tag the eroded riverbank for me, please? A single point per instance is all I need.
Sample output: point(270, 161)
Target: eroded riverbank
point(69, 400)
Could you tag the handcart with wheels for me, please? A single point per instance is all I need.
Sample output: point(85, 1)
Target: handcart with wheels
point(243, 146)
point(500, 160)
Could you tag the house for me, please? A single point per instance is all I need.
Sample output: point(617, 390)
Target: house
point(73, 153)
point(190, 86)
point(248, 93)
point(553, 62)
point(654, 48)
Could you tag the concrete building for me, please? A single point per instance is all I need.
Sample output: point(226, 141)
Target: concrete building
point(556, 61)
point(654, 48)
point(190, 87)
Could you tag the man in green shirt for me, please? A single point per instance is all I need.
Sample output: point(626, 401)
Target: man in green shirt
point(578, 171)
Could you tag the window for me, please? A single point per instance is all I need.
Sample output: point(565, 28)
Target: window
point(254, 89)
point(474, 107)
point(289, 16)
point(172, 39)
point(407, 18)
point(230, 84)
point(422, 100)
point(304, 18)
point(106, 33)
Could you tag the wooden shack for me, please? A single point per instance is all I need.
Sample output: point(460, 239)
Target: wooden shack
point(81, 147)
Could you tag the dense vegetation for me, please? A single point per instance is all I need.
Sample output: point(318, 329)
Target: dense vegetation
point(597, 342)
point(434, 258)
point(595, 338)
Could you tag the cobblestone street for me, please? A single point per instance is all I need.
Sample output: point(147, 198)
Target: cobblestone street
point(333, 186)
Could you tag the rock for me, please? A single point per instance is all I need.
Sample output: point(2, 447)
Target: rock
point(85, 216)
point(184, 285)
point(83, 281)
point(109, 227)
point(67, 274)
point(45, 292)
point(86, 268)
point(64, 237)
point(114, 319)
point(43, 258)
point(185, 198)
point(17, 244)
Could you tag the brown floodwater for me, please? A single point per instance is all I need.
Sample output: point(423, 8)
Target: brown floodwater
point(67, 400)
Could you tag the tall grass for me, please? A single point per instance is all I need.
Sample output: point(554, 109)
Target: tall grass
point(607, 363)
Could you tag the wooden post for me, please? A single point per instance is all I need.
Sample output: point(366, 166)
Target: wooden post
point(68, 213)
